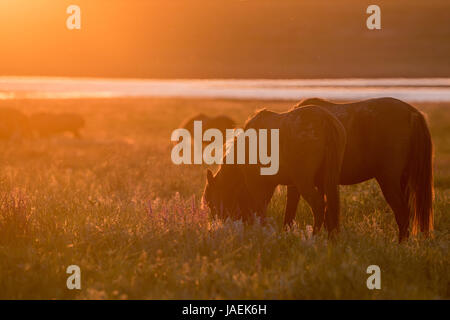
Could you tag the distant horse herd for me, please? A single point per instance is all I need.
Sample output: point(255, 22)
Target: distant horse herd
point(324, 145)
point(14, 123)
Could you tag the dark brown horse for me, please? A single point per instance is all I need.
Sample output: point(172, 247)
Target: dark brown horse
point(311, 149)
point(388, 140)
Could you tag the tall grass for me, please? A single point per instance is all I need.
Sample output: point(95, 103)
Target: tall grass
point(114, 204)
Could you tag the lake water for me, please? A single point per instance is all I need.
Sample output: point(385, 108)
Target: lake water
point(420, 89)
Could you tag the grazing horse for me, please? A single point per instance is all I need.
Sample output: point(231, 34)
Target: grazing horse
point(389, 140)
point(13, 123)
point(311, 149)
point(220, 122)
point(49, 124)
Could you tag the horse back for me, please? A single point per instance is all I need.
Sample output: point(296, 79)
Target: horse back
point(378, 135)
point(304, 138)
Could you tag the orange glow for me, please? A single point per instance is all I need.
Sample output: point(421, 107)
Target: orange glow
point(222, 39)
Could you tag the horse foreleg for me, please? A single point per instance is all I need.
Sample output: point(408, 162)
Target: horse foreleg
point(261, 196)
point(315, 200)
point(293, 196)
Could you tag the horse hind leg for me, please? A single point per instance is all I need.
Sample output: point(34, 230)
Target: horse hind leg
point(395, 197)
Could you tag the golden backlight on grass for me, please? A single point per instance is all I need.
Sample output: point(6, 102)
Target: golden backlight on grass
point(86, 176)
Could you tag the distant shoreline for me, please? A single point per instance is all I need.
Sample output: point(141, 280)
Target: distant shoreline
point(409, 89)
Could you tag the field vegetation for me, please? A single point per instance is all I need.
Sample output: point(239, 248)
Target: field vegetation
point(113, 203)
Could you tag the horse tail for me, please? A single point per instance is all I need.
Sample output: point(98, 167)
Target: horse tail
point(334, 154)
point(419, 173)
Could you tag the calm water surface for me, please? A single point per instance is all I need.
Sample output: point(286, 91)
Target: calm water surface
point(420, 89)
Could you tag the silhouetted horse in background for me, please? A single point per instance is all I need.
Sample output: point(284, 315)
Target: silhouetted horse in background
point(388, 140)
point(13, 123)
point(219, 122)
point(49, 124)
point(311, 149)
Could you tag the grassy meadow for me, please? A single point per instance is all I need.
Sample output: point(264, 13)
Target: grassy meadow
point(115, 205)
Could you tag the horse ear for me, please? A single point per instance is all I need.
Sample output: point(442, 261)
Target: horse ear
point(209, 176)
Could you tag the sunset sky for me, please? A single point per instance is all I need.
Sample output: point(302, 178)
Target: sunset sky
point(224, 39)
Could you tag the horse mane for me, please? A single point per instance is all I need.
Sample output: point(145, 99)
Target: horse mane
point(257, 115)
point(228, 145)
point(254, 117)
